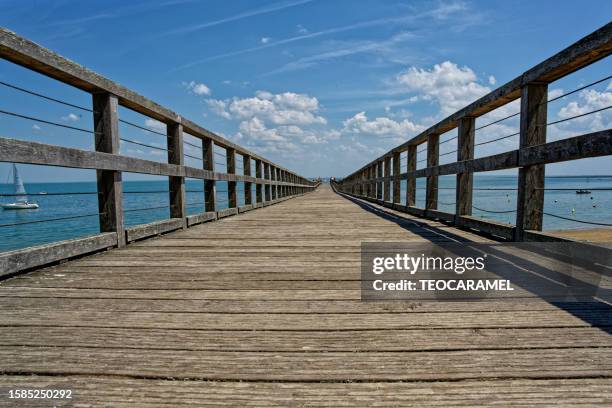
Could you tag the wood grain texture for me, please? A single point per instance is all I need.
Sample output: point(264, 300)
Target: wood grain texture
point(264, 308)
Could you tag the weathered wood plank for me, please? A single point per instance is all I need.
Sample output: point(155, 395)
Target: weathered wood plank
point(167, 393)
point(315, 366)
point(200, 218)
point(287, 341)
point(227, 212)
point(15, 261)
point(152, 229)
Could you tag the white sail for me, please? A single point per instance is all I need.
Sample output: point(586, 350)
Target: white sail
point(21, 195)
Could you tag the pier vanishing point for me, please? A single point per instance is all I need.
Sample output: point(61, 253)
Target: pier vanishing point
point(260, 304)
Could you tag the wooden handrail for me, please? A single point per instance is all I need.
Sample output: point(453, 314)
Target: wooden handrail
point(530, 158)
point(277, 182)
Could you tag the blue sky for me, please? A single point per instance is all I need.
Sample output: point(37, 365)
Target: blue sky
point(318, 86)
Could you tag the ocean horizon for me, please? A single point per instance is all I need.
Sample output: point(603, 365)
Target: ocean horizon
point(147, 201)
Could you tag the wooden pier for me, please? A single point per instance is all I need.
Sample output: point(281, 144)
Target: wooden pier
point(264, 309)
point(260, 304)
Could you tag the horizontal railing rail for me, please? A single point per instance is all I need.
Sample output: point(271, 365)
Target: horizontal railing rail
point(373, 181)
point(265, 182)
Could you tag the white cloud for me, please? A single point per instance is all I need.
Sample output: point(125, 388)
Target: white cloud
point(197, 88)
point(227, 82)
point(71, 117)
point(301, 29)
point(275, 123)
point(588, 101)
point(36, 128)
point(451, 86)
point(218, 107)
point(155, 125)
point(492, 80)
point(381, 126)
point(264, 40)
point(554, 93)
point(286, 108)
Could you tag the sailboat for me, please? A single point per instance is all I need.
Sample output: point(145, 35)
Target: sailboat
point(21, 196)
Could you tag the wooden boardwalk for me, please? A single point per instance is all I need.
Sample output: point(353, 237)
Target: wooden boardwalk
point(264, 308)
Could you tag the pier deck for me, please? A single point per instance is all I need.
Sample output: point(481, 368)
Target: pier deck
point(263, 308)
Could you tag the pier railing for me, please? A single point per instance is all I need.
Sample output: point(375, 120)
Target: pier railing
point(379, 181)
point(273, 182)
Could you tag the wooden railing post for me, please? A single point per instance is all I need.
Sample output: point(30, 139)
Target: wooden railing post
point(279, 188)
point(387, 183)
point(433, 149)
point(396, 177)
point(230, 157)
point(530, 197)
point(248, 186)
point(176, 184)
point(210, 188)
point(273, 179)
point(372, 185)
point(411, 160)
point(258, 186)
point(286, 179)
point(465, 151)
point(379, 183)
point(267, 184)
point(110, 188)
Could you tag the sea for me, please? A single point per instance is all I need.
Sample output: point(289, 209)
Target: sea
point(147, 201)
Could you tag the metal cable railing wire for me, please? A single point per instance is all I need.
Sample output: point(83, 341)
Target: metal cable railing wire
point(192, 157)
point(144, 144)
point(576, 220)
point(497, 139)
point(493, 211)
point(48, 122)
point(50, 220)
point(143, 128)
point(579, 89)
point(44, 96)
point(548, 101)
point(147, 208)
point(578, 116)
point(192, 144)
point(497, 121)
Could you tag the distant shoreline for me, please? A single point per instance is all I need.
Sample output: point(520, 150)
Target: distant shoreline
point(587, 234)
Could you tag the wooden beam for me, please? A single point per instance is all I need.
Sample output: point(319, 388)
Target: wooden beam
point(396, 177)
point(433, 156)
point(258, 186)
point(411, 160)
point(465, 179)
point(387, 183)
point(110, 187)
point(33, 257)
point(210, 186)
point(530, 197)
point(273, 191)
point(176, 184)
point(248, 186)
point(153, 229)
point(230, 157)
point(594, 144)
point(200, 218)
point(379, 184)
point(267, 192)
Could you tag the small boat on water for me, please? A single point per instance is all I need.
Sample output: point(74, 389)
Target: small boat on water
point(582, 191)
point(21, 196)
